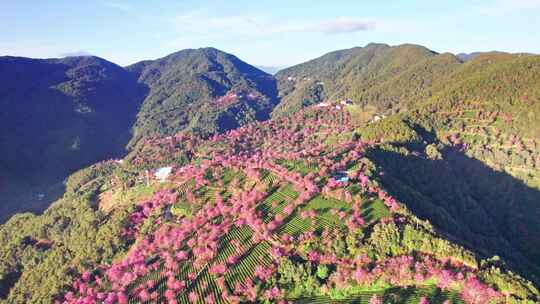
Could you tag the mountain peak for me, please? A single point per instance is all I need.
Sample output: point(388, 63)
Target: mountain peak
point(191, 80)
point(376, 45)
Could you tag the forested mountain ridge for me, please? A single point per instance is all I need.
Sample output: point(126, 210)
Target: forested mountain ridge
point(347, 74)
point(381, 79)
point(59, 115)
point(205, 91)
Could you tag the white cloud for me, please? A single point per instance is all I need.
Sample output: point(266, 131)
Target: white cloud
point(344, 25)
point(195, 22)
point(76, 53)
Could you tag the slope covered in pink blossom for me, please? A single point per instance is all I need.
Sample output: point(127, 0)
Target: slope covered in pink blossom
point(267, 216)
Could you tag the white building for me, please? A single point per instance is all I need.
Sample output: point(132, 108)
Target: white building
point(162, 174)
point(323, 104)
point(377, 118)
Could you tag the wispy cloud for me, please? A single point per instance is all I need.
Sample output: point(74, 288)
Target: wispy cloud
point(195, 22)
point(73, 54)
point(343, 25)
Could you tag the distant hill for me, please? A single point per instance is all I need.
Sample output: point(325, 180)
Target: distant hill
point(269, 69)
point(354, 73)
point(204, 91)
point(59, 115)
point(379, 78)
point(468, 56)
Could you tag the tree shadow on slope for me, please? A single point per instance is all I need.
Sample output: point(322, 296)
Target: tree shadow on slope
point(487, 211)
point(57, 125)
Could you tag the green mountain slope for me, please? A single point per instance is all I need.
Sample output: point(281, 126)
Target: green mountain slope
point(203, 91)
point(362, 75)
point(383, 79)
point(59, 115)
point(493, 114)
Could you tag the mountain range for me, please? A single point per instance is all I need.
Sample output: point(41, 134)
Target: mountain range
point(378, 173)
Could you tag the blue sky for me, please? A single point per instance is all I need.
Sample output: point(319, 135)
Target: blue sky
point(271, 33)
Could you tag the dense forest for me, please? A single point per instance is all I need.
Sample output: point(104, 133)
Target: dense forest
point(203, 91)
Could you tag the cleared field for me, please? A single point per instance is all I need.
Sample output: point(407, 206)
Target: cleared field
point(299, 166)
